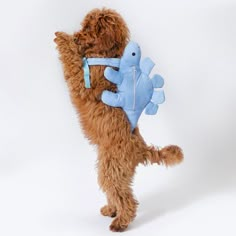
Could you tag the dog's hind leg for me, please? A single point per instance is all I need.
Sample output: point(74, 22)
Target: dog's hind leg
point(126, 205)
point(115, 176)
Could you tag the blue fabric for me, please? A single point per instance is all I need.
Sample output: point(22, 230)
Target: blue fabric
point(135, 90)
point(115, 62)
point(104, 61)
point(86, 74)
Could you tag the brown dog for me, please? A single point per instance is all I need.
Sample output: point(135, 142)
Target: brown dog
point(105, 34)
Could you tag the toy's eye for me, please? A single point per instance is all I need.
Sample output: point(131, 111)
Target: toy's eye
point(133, 54)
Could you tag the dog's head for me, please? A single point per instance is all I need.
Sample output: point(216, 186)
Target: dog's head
point(103, 34)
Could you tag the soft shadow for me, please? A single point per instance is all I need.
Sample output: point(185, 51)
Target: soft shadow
point(208, 171)
point(177, 196)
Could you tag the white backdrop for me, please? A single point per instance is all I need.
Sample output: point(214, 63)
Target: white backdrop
point(47, 169)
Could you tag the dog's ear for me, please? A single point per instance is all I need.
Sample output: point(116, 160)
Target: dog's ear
point(110, 32)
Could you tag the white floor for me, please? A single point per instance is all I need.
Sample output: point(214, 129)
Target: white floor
point(60, 196)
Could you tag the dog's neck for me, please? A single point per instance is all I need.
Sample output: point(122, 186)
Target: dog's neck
point(114, 62)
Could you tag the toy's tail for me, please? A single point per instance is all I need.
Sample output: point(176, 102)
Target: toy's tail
point(169, 155)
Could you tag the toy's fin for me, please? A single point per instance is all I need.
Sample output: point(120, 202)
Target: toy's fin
point(112, 75)
point(158, 97)
point(157, 81)
point(151, 108)
point(146, 65)
point(112, 99)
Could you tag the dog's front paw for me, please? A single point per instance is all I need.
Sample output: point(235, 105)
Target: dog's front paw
point(62, 37)
point(108, 211)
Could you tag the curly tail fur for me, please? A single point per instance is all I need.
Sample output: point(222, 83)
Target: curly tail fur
point(168, 156)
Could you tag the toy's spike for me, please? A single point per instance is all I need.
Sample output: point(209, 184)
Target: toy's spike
point(151, 108)
point(158, 97)
point(146, 65)
point(157, 81)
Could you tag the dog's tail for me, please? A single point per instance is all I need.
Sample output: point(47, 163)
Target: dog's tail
point(169, 155)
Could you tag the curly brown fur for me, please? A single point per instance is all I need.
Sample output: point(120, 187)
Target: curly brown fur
point(105, 34)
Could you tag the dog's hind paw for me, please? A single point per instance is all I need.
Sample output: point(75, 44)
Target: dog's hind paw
point(117, 226)
point(108, 211)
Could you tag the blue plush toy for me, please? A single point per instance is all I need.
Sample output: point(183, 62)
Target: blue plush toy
point(135, 90)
